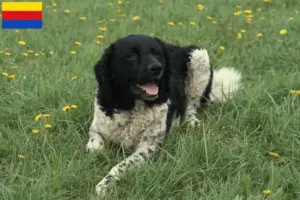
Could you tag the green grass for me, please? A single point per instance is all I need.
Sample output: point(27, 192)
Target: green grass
point(225, 159)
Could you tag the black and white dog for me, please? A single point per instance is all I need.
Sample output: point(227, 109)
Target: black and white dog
point(145, 87)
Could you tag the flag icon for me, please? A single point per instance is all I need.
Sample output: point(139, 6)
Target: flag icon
point(22, 15)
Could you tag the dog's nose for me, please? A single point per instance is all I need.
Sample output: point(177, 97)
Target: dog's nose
point(155, 68)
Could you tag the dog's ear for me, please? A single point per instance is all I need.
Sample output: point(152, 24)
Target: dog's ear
point(103, 77)
point(175, 83)
point(166, 53)
point(101, 69)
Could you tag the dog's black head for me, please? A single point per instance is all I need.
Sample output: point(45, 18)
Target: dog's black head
point(134, 67)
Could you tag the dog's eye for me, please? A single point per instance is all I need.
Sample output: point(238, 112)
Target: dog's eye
point(131, 57)
point(156, 54)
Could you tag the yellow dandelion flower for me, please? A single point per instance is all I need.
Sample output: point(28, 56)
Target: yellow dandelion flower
point(267, 192)
point(22, 43)
point(250, 16)
point(47, 115)
point(24, 54)
point(110, 3)
point(82, 18)
point(35, 131)
point(171, 23)
point(12, 76)
point(7, 54)
point(100, 36)
point(30, 51)
point(38, 117)
point(209, 18)
point(65, 108)
point(180, 23)
point(248, 12)
point(1, 52)
point(274, 154)
point(123, 14)
point(48, 126)
point(4, 74)
point(67, 11)
point(291, 18)
point(74, 106)
point(73, 52)
point(283, 32)
point(237, 13)
point(120, 2)
point(74, 78)
point(222, 48)
point(102, 28)
point(214, 22)
point(269, 1)
point(112, 20)
point(295, 91)
point(54, 4)
point(259, 35)
point(201, 7)
point(51, 52)
point(36, 54)
point(239, 36)
point(21, 156)
point(238, 6)
point(135, 18)
point(161, 1)
point(78, 43)
point(98, 42)
point(192, 23)
point(17, 31)
point(243, 31)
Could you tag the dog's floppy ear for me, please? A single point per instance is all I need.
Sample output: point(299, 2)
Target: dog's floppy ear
point(101, 69)
point(166, 52)
point(175, 84)
point(103, 77)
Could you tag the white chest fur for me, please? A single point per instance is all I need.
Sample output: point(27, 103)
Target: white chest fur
point(130, 127)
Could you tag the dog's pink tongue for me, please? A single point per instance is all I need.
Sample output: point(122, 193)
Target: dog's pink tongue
point(150, 88)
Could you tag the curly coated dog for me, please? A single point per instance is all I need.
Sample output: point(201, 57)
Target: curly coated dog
point(146, 87)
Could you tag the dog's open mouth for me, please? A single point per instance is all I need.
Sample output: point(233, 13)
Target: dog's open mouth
point(148, 91)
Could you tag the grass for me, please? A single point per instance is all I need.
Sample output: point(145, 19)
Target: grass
point(226, 159)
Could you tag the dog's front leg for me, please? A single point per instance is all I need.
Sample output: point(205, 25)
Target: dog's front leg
point(96, 142)
point(141, 154)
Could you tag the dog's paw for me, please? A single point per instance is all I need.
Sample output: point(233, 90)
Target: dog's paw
point(193, 121)
point(101, 189)
point(95, 143)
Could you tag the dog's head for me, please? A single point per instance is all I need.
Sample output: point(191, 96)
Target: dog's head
point(134, 67)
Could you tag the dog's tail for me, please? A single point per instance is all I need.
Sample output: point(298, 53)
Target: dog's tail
point(226, 82)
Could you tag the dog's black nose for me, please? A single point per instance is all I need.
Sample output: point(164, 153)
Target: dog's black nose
point(155, 68)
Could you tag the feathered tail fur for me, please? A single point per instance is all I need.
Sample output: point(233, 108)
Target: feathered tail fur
point(226, 82)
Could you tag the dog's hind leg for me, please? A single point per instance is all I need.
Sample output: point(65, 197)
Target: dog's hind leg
point(143, 152)
point(199, 77)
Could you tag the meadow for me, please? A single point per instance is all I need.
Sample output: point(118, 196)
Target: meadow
point(245, 149)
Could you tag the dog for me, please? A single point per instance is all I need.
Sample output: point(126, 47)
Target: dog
point(146, 87)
